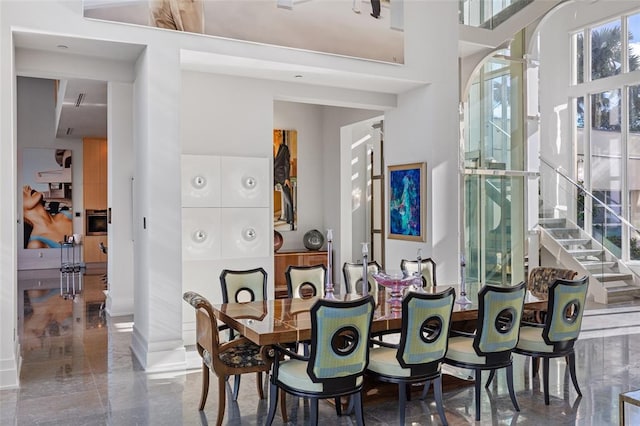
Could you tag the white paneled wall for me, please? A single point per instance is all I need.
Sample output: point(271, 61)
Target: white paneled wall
point(225, 220)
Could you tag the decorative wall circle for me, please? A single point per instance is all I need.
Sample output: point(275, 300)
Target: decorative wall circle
point(199, 236)
point(249, 182)
point(249, 234)
point(199, 182)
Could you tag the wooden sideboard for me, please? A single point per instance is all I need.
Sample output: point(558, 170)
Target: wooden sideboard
point(284, 258)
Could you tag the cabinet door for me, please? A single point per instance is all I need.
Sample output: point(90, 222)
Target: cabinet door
point(92, 252)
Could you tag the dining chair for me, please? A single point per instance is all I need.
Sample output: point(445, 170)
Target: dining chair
point(491, 346)
point(538, 283)
point(352, 273)
point(305, 281)
point(428, 267)
point(556, 337)
point(248, 285)
point(426, 320)
point(238, 356)
point(339, 354)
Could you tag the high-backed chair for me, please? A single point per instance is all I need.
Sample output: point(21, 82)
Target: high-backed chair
point(426, 319)
point(243, 286)
point(428, 267)
point(305, 281)
point(538, 283)
point(235, 357)
point(338, 358)
point(496, 336)
point(556, 337)
point(352, 273)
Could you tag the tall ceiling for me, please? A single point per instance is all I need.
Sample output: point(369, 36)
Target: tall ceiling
point(83, 112)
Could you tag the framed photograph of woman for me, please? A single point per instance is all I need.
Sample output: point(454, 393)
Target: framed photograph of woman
point(407, 197)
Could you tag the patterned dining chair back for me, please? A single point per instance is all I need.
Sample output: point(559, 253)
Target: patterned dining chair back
point(499, 315)
point(305, 281)
point(352, 273)
point(244, 285)
point(428, 267)
point(565, 309)
point(340, 342)
point(426, 320)
point(541, 278)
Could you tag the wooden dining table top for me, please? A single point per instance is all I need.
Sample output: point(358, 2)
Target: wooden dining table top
point(288, 320)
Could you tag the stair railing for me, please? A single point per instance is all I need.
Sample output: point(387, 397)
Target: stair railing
point(563, 197)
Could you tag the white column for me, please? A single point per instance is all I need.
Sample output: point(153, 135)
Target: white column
point(157, 331)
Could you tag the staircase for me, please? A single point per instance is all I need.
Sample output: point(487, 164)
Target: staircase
point(610, 280)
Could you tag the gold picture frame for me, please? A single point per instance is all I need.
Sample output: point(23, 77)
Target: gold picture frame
point(407, 202)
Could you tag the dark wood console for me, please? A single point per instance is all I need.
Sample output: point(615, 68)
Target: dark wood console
point(284, 258)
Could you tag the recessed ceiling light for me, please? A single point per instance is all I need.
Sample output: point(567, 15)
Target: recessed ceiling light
point(62, 46)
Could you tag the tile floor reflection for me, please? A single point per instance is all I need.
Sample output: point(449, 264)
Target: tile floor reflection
point(78, 369)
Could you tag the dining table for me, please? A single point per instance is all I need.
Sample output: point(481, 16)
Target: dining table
point(287, 320)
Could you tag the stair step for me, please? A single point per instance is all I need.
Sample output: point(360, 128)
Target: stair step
point(562, 230)
point(584, 252)
point(612, 276)
point(573, 241)
point(552, 221)
point(622, 293)
point(597, 264)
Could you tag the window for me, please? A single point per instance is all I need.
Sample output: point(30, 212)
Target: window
point(606, 50)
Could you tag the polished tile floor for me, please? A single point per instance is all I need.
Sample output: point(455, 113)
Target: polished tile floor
point(78, 370)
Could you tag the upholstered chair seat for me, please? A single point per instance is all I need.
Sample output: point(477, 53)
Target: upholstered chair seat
point(426, 320)
point(555, 338)
point(490, 347)
point(335, 366)
point(235, 357)
point(247, 285)
point(538, 283)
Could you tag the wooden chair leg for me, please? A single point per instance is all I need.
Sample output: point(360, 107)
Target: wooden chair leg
point(205, 386)
point(259, 384)
point(402, 401)
point(283, 406)
point(313, 417)
point(512, 392)
point(357, 401)
point(338, 402)
point(571, 358)
point(492, 374)
point(427, 384)
point(236, 386)
point(222, 399)
point(545, 378)
point(535, 365)
point(273, 403)
point(478, 388)
point(437, 391)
